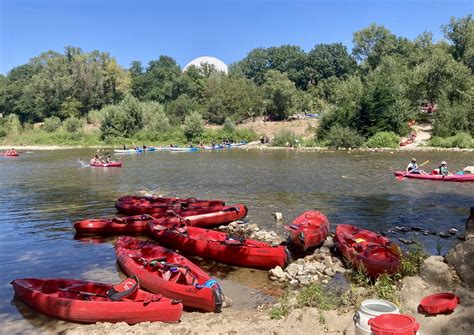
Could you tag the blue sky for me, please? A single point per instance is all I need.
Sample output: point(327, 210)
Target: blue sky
point(227, 29)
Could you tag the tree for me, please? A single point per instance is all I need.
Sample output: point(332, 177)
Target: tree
point(280, 95)
point(154, 117)
point(329, 60)
point(124, 119)
point(461, 33)
point(373, 43)
point(193, 126)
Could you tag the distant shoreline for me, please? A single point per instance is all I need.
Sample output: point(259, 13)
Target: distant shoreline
point(250, 146)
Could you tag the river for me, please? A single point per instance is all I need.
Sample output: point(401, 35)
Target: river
point(42, 193)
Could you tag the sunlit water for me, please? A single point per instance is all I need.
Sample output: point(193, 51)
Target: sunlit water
point(44, 192)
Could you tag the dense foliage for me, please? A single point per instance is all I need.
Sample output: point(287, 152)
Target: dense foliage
point(376, 87)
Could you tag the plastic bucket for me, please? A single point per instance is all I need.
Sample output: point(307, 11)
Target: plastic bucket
point(369, 309)
point(394, 324)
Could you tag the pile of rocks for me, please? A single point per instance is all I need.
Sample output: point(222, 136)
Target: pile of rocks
point(252, 231)
point(319, 268)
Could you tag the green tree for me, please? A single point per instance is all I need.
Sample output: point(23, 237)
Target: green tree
point(461, 33)
point(280, 95)
point(329, 60)
point(154, 117)
point(193, 126)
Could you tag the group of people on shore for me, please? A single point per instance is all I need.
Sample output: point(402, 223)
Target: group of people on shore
point(413, 167)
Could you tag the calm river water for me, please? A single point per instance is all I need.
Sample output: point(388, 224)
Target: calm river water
point(43, 193)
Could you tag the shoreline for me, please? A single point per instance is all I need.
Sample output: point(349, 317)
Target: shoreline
point(252, 146)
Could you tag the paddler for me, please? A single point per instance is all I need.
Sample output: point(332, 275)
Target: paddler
point(443, 168)
point(412, 167)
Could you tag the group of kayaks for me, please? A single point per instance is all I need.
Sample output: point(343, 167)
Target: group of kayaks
point(179, 149)
point(162, 281)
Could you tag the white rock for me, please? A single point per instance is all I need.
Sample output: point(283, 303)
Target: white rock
point(330, 272)
point(278, 272)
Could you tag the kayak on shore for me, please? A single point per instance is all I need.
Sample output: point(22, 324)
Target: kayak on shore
point(220, 246)
point(166, 272)
point(104, 165)
point(308, 230)
point(128, 151)
point(367, 250)
point(137, 224)
point(450, 177)
point(133, 205)
point(90, 302)
point(178, 149)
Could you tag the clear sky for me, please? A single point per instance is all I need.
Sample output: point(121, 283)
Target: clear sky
point(227, 29)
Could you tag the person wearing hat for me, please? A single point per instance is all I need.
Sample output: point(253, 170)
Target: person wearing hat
point(413, 168)
point(443, 168)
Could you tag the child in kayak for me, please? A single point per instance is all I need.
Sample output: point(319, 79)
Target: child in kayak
point(412, 167)
point(443, 169)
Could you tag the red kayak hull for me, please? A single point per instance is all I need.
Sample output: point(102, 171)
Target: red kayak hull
point(137, 224)
point(65, 299)
point(11, 154)
point(104, 165)
point(134, 256)
point(438, 177)
point(216, 245)
point(132, 205)
point(366, 249)
point(308, 230)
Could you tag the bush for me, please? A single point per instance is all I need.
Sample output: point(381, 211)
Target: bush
point(96, 117)
point(344, 137)
point(12, 124)
point(51, 124)
point(460, 140)
point(73, 124)
point(383, 139)
point(3, 132)
point(229, 126)
point(284, 138)
point(193, 126)
point(154, 117)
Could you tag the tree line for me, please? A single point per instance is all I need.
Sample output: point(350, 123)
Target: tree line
point(377, 87)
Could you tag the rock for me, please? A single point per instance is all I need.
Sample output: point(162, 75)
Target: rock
point(460, 257)
point(339, 270)
point(278, 272)
point(292, 269)
point(300, 261)
point(329, 272)
point(469, 233)
point(325, 250)
point(320, 267)
point(278, 216)
point(403, 240)
point(304, 280)
point(443, 234)
point(328, 262)
point(453, 231)
point(294, 282)
point(435, 271)
point(328, 243)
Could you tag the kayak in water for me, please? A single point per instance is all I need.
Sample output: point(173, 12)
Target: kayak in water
point(104, 164)
point(438, 177)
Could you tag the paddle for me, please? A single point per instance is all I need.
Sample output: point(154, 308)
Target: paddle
point(400, 178)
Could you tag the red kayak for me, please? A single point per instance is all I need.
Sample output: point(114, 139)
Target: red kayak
point(220, 246)
point(136, 224)
point(308, 230)
point(111, 164)
point(367, 249)
point(90, 302)
point(143, 205)
point(161, 270)
point(11, 153)
point(451, 177)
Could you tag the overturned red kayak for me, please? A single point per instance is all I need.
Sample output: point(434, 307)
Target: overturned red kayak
point(136, 224)
point(220, 246)
point(366, 249)
point(164, 271)
point(111, 164)
point(308, 230)
point(451, 177)
point(90, 302)
point(146, 205)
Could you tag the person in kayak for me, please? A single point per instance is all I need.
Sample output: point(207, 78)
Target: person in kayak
point(412, 167)
point(443, 168)
point(97, 160)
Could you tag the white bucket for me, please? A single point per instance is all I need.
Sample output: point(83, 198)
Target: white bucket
point(369, 309)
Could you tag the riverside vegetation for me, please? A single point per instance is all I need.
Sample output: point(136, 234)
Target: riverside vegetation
point(364, 97)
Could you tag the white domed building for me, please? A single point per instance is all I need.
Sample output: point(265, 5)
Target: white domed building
point(216, 62)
